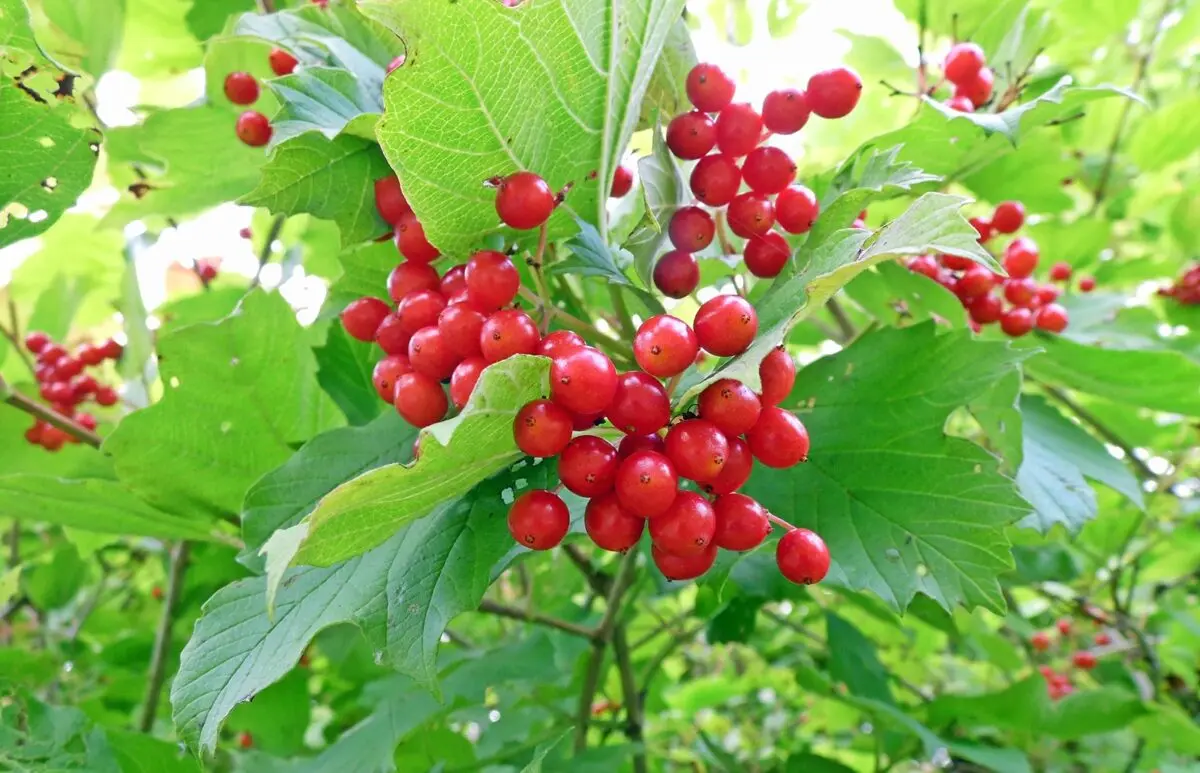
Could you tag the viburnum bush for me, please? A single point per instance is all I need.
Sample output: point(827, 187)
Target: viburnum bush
point(646, 386)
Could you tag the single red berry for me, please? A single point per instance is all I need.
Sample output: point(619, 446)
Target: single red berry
point(362, 318)
point(411, 241)
point(610, 525)
point(429, 353)
point(506, 333)
point(709, 88)
point(111, 348)
point(778, 375)
point(67, 367)
point(542, 428)
point(961, 104)
point(715, 179)
point(524, 201)
point(1008, 217)
point(675, 567)
point(646, 483)
point(244, 740)
point(976, 281)
point(1047, 294)
point(750, 214)
point(420, 309)
point(396, 64)
point(241, 88)
point(51, 352)
point(686, 528)
point(1084, 659)
point(59, 392)
point(454, 282)
point(983, 228)
point(106, 396)
point(631, 444)
point(925, 265)
point(420, 399)
point(53, 438)
point(956, 262)
point(834, 93)
point(492, 280)
point(89, 354)
point(785, 111)
point(742, 523)
point(803, 557)
point(559, 343)
point(640, 405)
point(622, 182)
point(665, 346)
point(778, 439)
point(691, 135)
point(1016, 322)
point(282, 63)
point(1021, 257)
point(588, 466)
point(389, 199)
point(461, 325)
point(739, 462)
point(676, 274)
point(386, 373)
point(1052, 318)
point(766, 255)
point(206, 270)
point(726, 325)
point(1102, 639)
point(796, 209)
point(539, 520)
point(583, 380)
point(1040, 641)
point(731, 406)
point(33, 435)
point(1087, 284)
point(1064, 626)
point(392, 336)
point(739, 128)
point(463, 380)
point(246, 233)
point(253, 128)
point(1060, 272)
point(691, 229)
point(697, 449)
point(985, 309)
point(1020, 292)
point(979, 91)
point(963, 62)
point(36, 341)
point(768, 170)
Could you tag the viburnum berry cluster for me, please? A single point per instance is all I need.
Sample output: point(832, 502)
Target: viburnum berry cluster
point(64, 385)
point(1058, 680)
point(748, 184)
point(965, 67)
point(1186, 289)
point(1016, 301)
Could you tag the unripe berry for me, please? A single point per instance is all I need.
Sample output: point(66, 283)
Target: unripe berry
point(524, 201)
point(282, 63)
point(492, 280)
point(362, 318)
point(691, 229)
point(802, 557)
point(539, 520)
point(588, 466)
point(665, 346)
point(253, 128)
point(796, 209)
point(709, 88)
point(778, 375)
point(739, 128)
point(686, 528)
point(646, 483)
point(675, 567)
point(768, 170)
point(622, 182)
point(583, 380)
point(834, 93)
point(411, 241)
point(766, 255)
point(420, 399)
point(676, 274)
point(785, 111)
point(750, 214)
point(640, 405)
point(697, 449)
point(726, 325)
point(241, 88)
point(610, 525)
point(778, 439)
point(542, 429)
point(691, 135)
point(1008, 217)
point(963, 62)
point(715, 179)
point(389, 200)
point(742, 523)
point(731, 406)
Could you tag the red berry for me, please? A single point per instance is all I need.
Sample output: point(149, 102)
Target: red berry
point(392, 336)
point(84, 386)
point(778, 439)
point(1064, 626)
point(983, 228)
point(506, 333)
point(738, 464)
point(539, 520)
point(802, 557)
point(1060, 272)
point(768, 169)
point(985, 309)
point(362, 318)
point(691, 229)
point(396, 64)
point(778, 375)
point(1087, 284)
point(588, 466)
point(976, 281)
point(739, 128)
point(282, 63)
point(429, 353)
point(559, 343)
point(963, 63)
point(244, 740)
point(709, 88)
point(631, 444)
point(925, 265)
point(583, 380)
point(1052, 318)
point(420, 309)
point(1047, 294)
point(33, 435)
point(253, 128)
point(834, 93)
point(785, 111)
point(386, 373)
point(542, 428)
point(1020, 292)
point(676, 274)
point(241, 88)
point(245, 233)
point(610, 525)
point(492, 280)
point(979, 91)
point(463, 380)
point(524, 201)
point(750, 214)
point(691, 135)
point(1016, 321)
point(1084, 659)
point(106, 396)
point(1102, 639)
point(454, 282)
point(67, 367)
point(411, 241)
point(59, 392)
point(646, 483)
point(622, 182)
point(36, 341)
point(1021, 257)
point(742, 523)
point(796, 209)
point(1040, 641)
point(726, 325)
point(640, 405)
point(731, 406)
point(697, 449)
point(461, 326)
point(1008, 217)
point(51, 352)
point(686, 528)
point(675, 567)
point(766, 255)
point(715, 179)
point(961, 104)
point(420, 399)
point(111, 349)
point(389, 199)
point(665, 346)
point(53, 438)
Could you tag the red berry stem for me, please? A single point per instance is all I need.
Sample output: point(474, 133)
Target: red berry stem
point(48, 415)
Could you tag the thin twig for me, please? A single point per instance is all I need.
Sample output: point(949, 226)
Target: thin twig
point(512, 613)
point(842, 319)
point(545, 305)
point(162, 637)
point(1099, 426)
point(722, 235)
point(14, 544)
point(13, 334)
point(600, 641)
point(599, 581)
point(264, 254)
point(633, 699)
point(48, 415)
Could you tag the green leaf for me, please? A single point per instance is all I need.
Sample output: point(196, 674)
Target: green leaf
point(1090, 712)
point(16, 32)
point(209, 17)
point(1160, 138)
point(165, 46)
point(998, 414)
point(1012, 37)
point(555, 87)
point(344, 368)
point(9, 584)
point(94, 29)
point(667, 93)
point(894, 295)
point(539, 753)
point(853, 662)
point(330, 179)
point(590, 256)
point(139, 341)
point(664, 191)
point(365, 270)
point(805, 762)
point(141, 753)
point(240, 394)
point(903, 507)
point(325, 100)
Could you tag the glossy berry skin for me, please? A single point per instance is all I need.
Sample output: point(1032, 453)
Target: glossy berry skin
point(697, 449)
point(1084, 660)
point(1047, 294)
point(676, 274)
point(778, 375)
point(461, 325)
point(1087, 284)
point(241, 88)
point(506, 333)
point(750, 214)
point(983, 228)
point(796, 209)
point(411, 241)
point(50, 353)
point(539, 520)
point(386, 373)
point(282, 63)
point(665, 346)
point(463, 380)
point(731, 406)
point(742, 523)
point(420, 399)
point(956, 262)
point(778, 439)
point(36, 341)
point(253, 128)
point(542, 429)
point(715, 179)
point(985, 309)
point(631, 444)
point(1008, 217)
point(785, 111)
point(559, 343)
point(963, 62)
point(1021, 257)
point(1060, 272)
point(978, 90)
point(1052, 318)
point(976, 281)
point(646, 483)
point(768, 170)
point(691, 229)
point(392, 336)
point(111, 349)
point(961, 104)
point(686, 528)
point(622, 182)
point(739, 462)
point(1016, 322)
point(726, 325)
point(106, 396)
point(1020, 292)
point(454, 282)
point(583, 380)
point(610, 525)
point(420, 309)
point(492, 280)
point(691, 135)
point(640, 405)
point(362, 318)
point(524, 201)
point(766, 255)
point(429, 353)
point(802, 557)
point(409, 277)
point(1064, 626)
point(834, 93)
point(739, 128)
point(683, 567)
point(1040, 641)
point(389, 200)
point(588, 466)
point(709, 88)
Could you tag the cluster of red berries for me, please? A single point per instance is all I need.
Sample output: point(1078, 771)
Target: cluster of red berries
point(984, 294)
point(206, 269)
point(1059, 683)
point(1186, 289)
point(966, 67)
point(63, 384)
point(736, 172)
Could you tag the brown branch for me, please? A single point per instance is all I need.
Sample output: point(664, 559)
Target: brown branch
point(1096, 424)
point(502, 610)
point(162, 637)
point(48, 415)
point(634, 722)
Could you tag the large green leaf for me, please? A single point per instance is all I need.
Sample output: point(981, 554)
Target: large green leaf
point(324, 99)
point(344, 368)
point(555, 87)
point(665, 191)
point(240, 395)
point(93, 29)
point(1161, 138)
point(903, 507)
point(667, 95)
point(853, 661)
point(365, 270)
